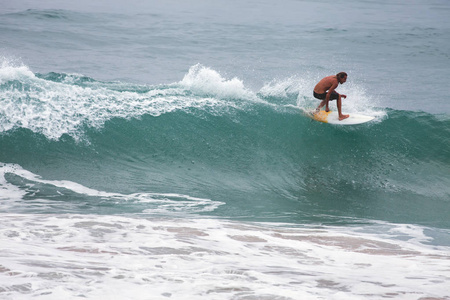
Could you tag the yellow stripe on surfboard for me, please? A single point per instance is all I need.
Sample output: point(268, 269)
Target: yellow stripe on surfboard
point(321, 116)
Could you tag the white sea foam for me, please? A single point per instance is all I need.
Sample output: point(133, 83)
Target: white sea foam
point(204, 80)
point(116, 257)
point(57, 108)
point(285, 87)
point(13, 70)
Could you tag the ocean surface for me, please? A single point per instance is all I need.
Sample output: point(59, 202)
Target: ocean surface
point(160, 150)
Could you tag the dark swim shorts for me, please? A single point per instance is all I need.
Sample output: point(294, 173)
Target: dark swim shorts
point(333, 96)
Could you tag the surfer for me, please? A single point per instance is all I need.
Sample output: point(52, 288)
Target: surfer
point(325, 91)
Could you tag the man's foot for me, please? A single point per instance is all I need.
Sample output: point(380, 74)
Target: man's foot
point(342, 117)
point(316, 111)
point(327, 109)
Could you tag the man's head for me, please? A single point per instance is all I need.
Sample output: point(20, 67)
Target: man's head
point(341, 77)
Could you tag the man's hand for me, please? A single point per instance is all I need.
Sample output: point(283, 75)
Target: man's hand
point(343, 96)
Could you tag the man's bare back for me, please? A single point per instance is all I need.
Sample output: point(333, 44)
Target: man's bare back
point(325, 84)
point(325, 91)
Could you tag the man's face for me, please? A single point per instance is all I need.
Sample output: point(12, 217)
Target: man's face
point(342, 80)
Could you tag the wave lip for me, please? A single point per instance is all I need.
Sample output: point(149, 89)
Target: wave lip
point(206, 81)
point(58, 104)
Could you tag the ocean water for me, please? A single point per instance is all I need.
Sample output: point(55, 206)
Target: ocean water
point(159, 150)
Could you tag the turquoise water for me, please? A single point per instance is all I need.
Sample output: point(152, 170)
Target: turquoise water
point(163, 147)
point(256, 153)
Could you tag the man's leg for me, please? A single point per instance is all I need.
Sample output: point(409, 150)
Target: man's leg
point(321, 105)
point(339, 105)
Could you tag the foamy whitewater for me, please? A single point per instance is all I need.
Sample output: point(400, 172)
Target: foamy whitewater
point(161, 151)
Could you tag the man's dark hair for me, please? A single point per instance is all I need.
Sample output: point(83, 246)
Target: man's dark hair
point(341, 75)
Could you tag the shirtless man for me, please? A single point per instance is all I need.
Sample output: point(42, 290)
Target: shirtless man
point(325, 91)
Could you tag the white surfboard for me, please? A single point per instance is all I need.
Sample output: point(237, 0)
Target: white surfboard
point(332, 117)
